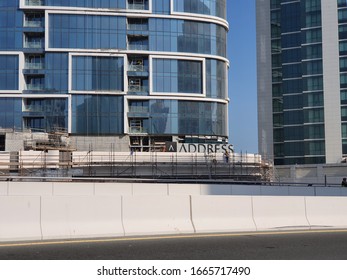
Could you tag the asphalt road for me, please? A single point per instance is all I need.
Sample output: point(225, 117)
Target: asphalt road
point(316, 245)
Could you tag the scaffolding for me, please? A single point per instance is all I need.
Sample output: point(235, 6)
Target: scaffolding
point(150, 165)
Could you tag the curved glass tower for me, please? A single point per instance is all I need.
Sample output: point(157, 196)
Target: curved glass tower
point(142, 72)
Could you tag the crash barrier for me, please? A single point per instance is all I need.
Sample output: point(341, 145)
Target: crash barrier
point(81, 216)
point(44, 188)
point(279, 213)
point(222, 213)
point(20, 218)
point(325, 212)
point(156, 215)
point(64, 217)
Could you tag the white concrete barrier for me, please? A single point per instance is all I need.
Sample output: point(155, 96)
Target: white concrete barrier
point(20, 218)
point(113, 189)
point(150, 189)
point(222, 213)
point(30, 188)
point(276, 213)
point(325, 212)
point(147, 215)
point(3, 188)
point(81, 216)
point(69, 188)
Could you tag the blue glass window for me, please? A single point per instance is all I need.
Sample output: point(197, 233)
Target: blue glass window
point(161, 7)
point(97, 114)
point(187, 36)
point(47, 114)
point(207, 7)
point(105, 4)
point(87, 31)
point(11, 113)
point(97, 73)
point(177, 76)
point(9, 72)
point(187, 117)
point(216, 79)
point(56, 72)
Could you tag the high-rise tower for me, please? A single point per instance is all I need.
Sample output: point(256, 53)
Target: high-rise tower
point(302, 80)
point(140, 71)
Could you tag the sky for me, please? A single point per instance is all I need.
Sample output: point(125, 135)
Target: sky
point(243, 131)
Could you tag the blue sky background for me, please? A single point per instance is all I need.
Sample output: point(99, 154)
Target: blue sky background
point(243, 131)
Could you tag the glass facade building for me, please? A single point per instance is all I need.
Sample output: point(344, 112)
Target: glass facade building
point(302, 80)
point(146, 69)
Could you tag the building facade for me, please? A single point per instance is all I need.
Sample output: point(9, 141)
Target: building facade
point(137, 72)
point(302, 80)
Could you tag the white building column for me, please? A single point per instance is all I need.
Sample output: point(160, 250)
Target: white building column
point(331, 72)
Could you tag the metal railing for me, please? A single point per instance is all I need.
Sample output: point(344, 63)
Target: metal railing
point(137, 68)
point(138, 109)
point(34, 65)
point(136, 6)
point(33, 23)
point(35, 86)
point(136, 88)
point(138, 47)
point(33, 45)
point(34, 2)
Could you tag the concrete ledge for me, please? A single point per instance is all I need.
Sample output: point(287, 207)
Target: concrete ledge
point(276, 213)
point(80, 217)
point(222, 213)
point(31, 188)
point(20, 218)
point(113, 189)
point(73, 189)
point(184, 189)
point(144, 215)
point(150, 189)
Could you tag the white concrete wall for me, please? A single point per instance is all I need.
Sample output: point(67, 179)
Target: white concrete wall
point(156, 215)
point(20, 218)
point(81, 216)
point(222, 213)
point(327, 212)
point(113, 189)
point(68, 217)
point(279, 213)
point(3, 188)
point(31, 188)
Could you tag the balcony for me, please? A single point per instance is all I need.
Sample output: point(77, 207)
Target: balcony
point(34, 44)
point(137, 24)
point(138, 42)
